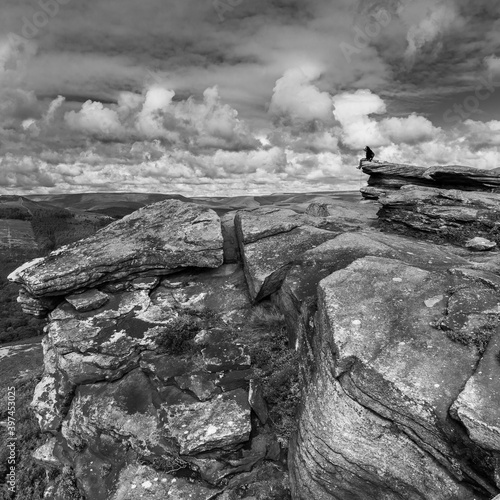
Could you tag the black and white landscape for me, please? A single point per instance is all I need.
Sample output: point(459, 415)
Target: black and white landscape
point(249, 250)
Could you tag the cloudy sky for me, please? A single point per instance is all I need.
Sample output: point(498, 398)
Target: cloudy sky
point(231, 97)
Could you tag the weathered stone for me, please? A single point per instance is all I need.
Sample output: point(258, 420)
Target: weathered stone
point(140, 482)
point(103, 344)
point(201, 384)
point(271, 238)
point(160, 239)
point(123, 408)
point(477, 405)
point(146, 283)
point(50, 400)
point(298, 292)
point(164, 367)
point(221, 290)
point(480, 244)
point(44, 454)
point(448, 214)
point(226, 356)
point(38, 307)
point(257, 401)
point(88, 300)
point(267, 261)
point(382, 386)
point(171, 395)
point(392, 176)
point(348, 218)
point(219, 423)
point(372, 193)
point(465, 178)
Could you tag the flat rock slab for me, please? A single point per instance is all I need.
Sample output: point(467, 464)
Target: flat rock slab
point(88, 300)
point(226, 356)
point(297, 294)
point(477, 405)
point(221, 422)
point(267, 261)
point(159, 238)
point(480, 244)
point(222, 290)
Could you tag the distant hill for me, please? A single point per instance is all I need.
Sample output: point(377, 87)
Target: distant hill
point(118, 205)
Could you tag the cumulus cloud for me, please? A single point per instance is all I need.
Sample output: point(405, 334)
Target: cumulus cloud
point(353, 110)
point(410, 130)
point(296, 97)
point(154, 115)
point(95, 119)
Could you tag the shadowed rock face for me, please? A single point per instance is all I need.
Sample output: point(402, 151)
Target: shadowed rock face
point(450, 214)
point(158, 239)
point(381, 395)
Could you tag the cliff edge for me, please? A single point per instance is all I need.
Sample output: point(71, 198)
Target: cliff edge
point(155, 386)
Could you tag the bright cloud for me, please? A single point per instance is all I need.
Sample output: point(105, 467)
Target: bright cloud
point(296, 97)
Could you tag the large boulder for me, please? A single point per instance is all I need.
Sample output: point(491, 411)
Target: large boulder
point(158, 239)
point(271, 238)
point(447, 214)
point(394, 348)
point(477, 405)
point(297, 296)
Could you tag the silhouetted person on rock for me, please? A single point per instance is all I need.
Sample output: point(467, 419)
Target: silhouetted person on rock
point(369, 156)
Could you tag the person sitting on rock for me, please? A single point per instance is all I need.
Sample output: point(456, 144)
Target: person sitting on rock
point(369, 154)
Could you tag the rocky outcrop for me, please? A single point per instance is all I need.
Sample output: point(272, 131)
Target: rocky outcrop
point(298, 293)
point(386, 177)
point(271, 238)
point(151, 387)
point(384, 385)
point(158, 239)
point(448, 214)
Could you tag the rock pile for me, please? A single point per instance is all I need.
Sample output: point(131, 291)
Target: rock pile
point(398, 341)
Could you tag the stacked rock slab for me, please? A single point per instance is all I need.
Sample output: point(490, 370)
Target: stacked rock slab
point(398, 341)
point(450, 214)
point(453, 203)
point(117, 405)
point(271, 238)
point(387, 177)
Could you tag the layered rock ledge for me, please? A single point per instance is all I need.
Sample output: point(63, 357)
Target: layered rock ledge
point(397, 339)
